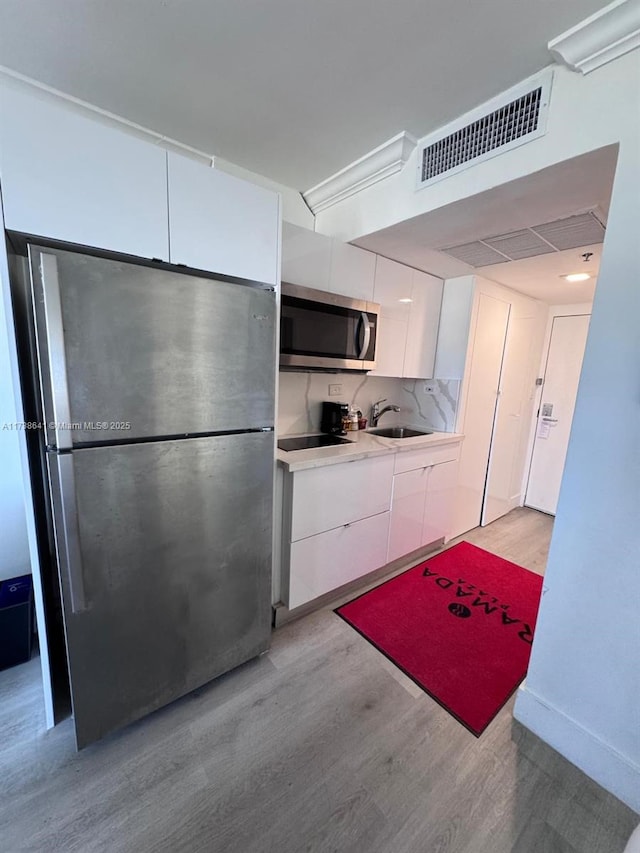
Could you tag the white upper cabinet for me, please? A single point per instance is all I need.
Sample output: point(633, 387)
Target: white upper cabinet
point(455, 323)
point(220, 223)
point(410, 300)
point(422, 332)
point(410, 312)
point(352, 271)
point(306, 257)
point(314, 260)
point(68, 177)
point(393, 288)
point(393, 284)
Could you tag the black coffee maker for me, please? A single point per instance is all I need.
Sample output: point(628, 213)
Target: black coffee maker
point(332, 415)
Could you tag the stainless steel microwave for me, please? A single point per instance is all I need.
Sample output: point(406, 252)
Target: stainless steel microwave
point(324, 331)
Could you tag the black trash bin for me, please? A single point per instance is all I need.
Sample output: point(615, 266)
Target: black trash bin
point(16, 620)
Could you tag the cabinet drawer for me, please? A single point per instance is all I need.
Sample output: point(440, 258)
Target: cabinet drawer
point(325, 562)
point(325, 498)
point(425, 457)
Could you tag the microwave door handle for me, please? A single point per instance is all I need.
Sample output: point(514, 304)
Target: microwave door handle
point(366, 325)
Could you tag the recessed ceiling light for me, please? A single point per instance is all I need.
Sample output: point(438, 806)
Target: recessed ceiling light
point(577, 276)
point(405, 300)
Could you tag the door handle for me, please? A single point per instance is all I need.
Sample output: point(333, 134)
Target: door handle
point(69, 549)
point(44, 271)
point(550, 420)
point(366, 326)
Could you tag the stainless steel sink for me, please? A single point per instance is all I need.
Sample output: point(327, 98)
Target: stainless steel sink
point(399, 432)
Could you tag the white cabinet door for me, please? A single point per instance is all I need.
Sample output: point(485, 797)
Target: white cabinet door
point(422, 331)
point(393, 283)
point(407, 512)
point(453, 331)
point(328, 497)
point(352, 271)
point(72, 178)
point(306, 257)
point(438, 507)
point(390, 344)
point(220, 223)
point(479, 413)
point(325, 562)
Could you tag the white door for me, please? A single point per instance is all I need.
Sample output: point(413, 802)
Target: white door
point(483, 383)
point(562, 373)
point(504, 480)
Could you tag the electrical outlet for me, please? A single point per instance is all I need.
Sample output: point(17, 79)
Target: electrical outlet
point(335, 390)
point(430, 388)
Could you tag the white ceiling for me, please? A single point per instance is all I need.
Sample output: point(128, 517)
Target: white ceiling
point(541, 277)
point(292, 89)
point(573, 186)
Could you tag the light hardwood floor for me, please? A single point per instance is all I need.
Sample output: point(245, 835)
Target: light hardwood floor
point(321, 745)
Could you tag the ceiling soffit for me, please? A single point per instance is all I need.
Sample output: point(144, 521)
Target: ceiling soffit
point(600, 38)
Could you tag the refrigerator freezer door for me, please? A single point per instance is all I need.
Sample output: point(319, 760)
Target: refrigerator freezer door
point(165, 554)
point(129, 351)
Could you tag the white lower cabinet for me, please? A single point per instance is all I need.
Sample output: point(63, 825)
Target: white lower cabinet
point(342, 521)
point(438, 508)
point(335, 526)
point(328, 560)
point(422, 503)
point(407, 512)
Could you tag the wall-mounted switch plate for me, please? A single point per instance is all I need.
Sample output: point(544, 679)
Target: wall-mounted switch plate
point(335, 390)
point(430, 387)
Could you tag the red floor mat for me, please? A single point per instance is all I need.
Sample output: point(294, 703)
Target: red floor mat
point(460, 625)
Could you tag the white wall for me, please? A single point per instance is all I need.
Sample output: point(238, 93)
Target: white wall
point(582, 692)
point(583, 689)
point(585, 113)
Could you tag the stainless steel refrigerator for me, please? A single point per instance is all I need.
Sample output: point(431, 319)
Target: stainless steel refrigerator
point(156, 394)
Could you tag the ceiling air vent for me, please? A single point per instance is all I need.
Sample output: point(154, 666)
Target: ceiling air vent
point(582, 229)
point(515, 117)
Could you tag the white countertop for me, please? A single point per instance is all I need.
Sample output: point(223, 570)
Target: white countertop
point(363, 446)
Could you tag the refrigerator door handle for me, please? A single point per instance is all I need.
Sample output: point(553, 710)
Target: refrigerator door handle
point(47, 269)
point(70, 553)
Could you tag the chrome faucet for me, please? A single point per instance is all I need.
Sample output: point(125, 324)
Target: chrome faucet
point(377, 412)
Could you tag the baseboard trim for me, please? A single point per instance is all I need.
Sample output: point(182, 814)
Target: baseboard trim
point(593, 756)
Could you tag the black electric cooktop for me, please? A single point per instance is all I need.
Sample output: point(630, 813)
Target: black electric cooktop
point(306, 442)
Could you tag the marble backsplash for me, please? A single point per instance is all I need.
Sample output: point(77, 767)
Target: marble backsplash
point(301, 396)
